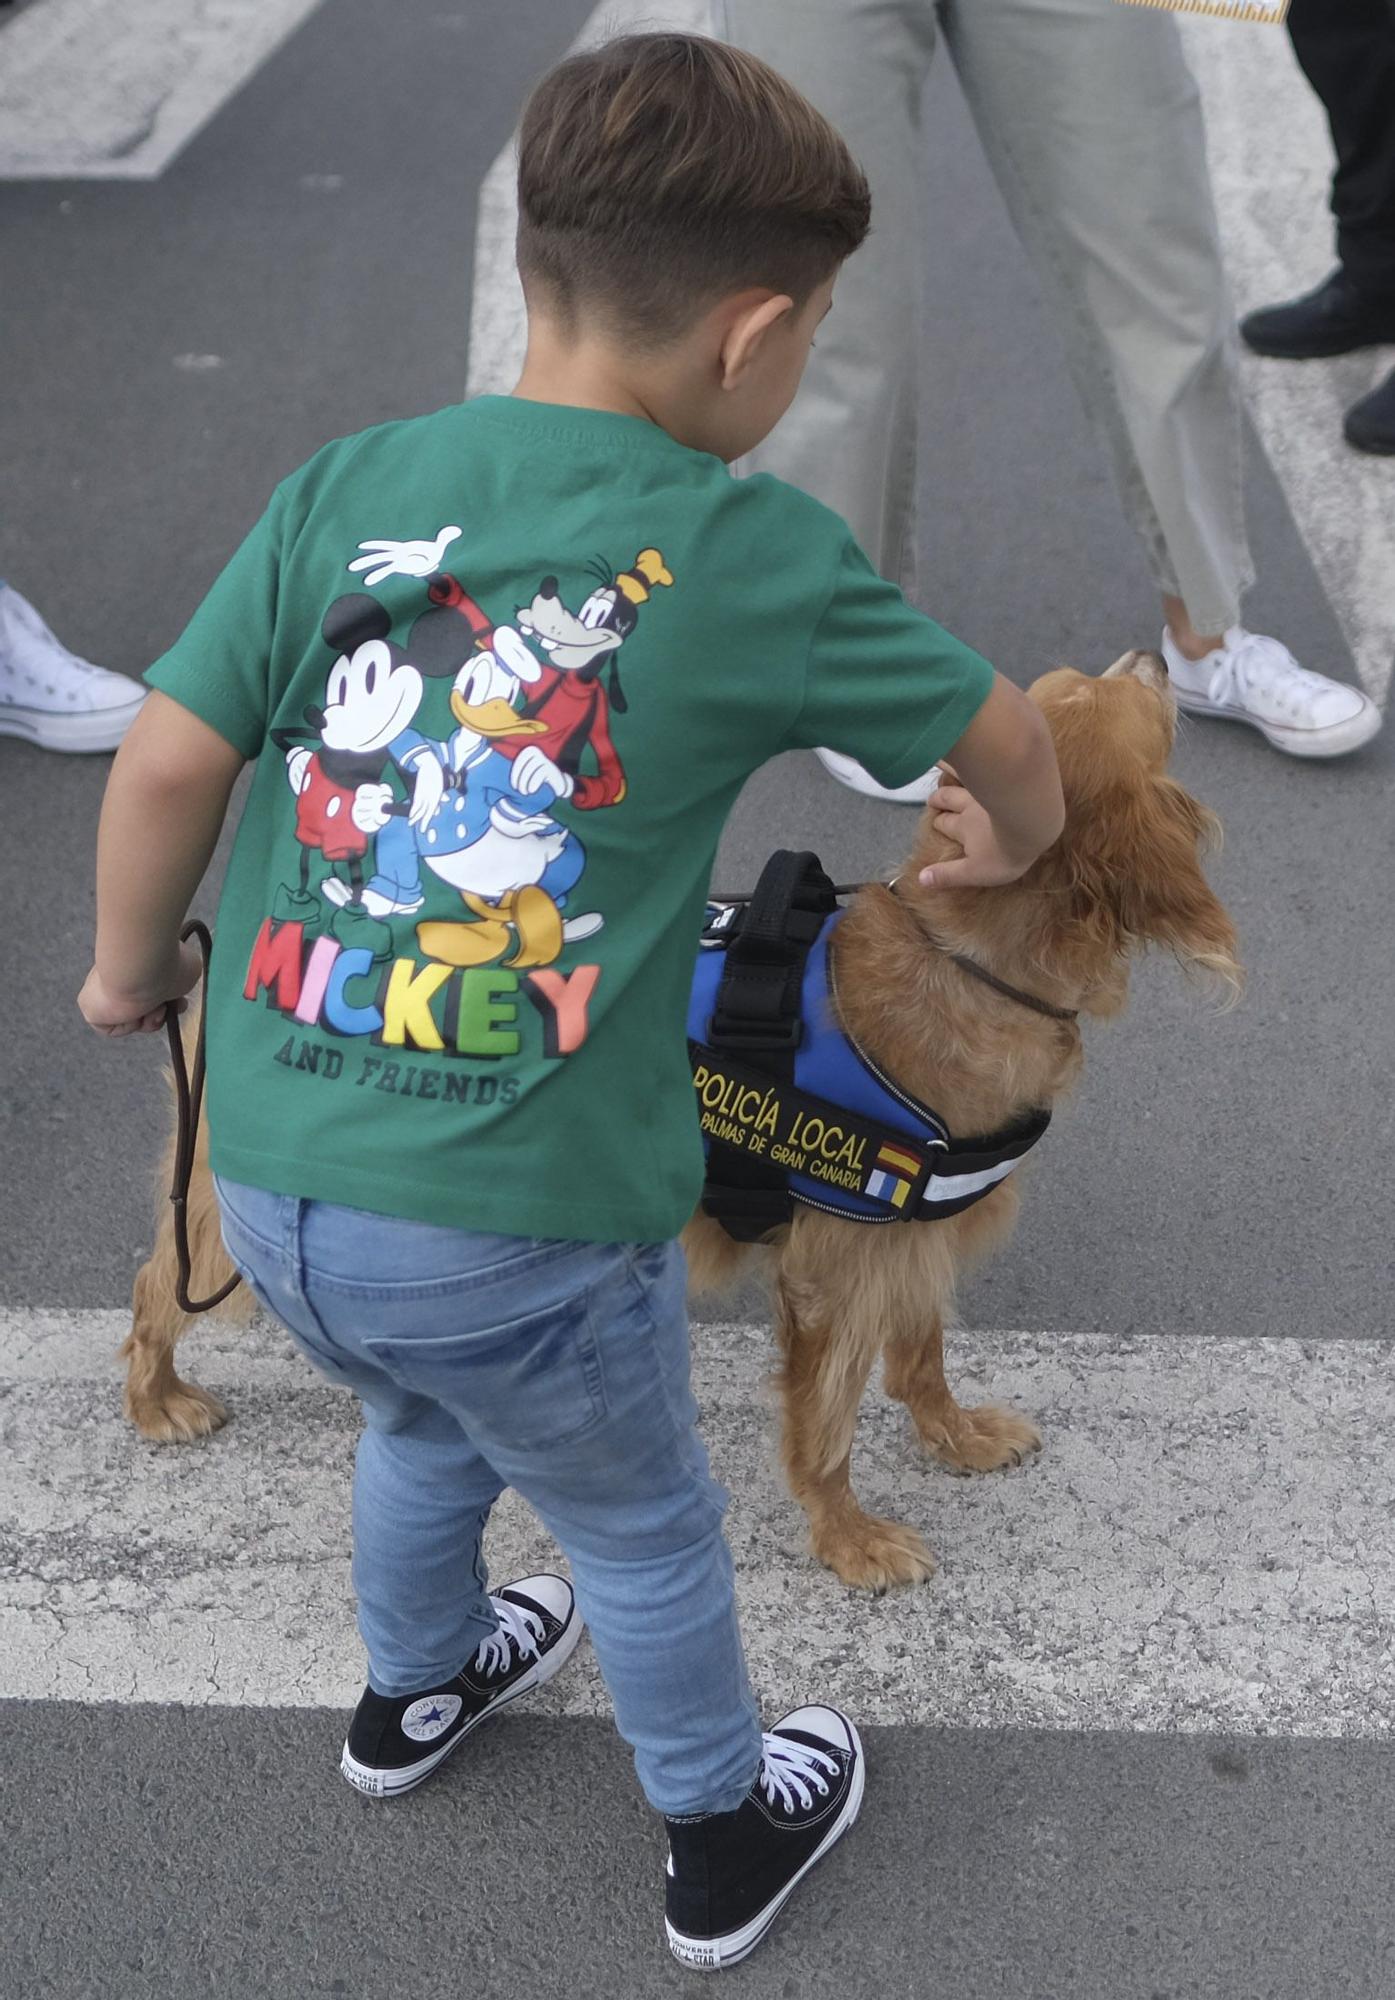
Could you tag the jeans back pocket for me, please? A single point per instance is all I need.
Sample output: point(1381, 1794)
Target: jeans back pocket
point(526, 1383)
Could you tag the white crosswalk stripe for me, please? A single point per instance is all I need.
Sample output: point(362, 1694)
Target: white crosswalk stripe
point(91, 91)
point(1204, 1544)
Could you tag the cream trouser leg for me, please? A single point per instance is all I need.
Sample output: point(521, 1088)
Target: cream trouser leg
point(1092, 123)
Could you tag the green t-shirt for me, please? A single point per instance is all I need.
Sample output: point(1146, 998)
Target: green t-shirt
point(506, 668)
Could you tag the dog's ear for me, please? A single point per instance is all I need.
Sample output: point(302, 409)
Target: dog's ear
point(1126, 871)
point(1137, 848)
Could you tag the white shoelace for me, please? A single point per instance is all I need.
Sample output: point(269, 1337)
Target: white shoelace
point(519, 1630)
point(1252, 664)
point(788, 1770)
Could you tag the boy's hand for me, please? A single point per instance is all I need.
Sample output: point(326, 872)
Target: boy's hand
point(1003, 802)
point(116, 1014)
point(986, 862)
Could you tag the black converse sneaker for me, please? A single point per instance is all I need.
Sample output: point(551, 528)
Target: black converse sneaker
point(396, 1741)
point(729, 1873)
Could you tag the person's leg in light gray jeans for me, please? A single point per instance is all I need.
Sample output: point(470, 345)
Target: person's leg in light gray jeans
point(1092, 123)
point(850, 438)
point(1091, 120)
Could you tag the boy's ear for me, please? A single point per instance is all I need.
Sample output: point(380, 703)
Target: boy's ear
point(755, 314)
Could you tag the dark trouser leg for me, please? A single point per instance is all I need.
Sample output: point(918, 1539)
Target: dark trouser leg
point(1347, 52)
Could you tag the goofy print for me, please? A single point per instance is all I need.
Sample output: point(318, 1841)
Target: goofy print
point(524, 726)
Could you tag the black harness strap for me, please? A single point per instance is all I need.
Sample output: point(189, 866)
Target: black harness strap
point(758, 1014)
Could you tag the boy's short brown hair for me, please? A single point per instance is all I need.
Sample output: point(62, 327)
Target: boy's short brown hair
point(659, 172)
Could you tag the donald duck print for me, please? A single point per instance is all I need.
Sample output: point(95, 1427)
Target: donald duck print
point(449, 834)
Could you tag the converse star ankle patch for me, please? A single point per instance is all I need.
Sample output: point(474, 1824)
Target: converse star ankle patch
point(430, 1717)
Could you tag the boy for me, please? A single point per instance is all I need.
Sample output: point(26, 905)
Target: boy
point(449, 1099)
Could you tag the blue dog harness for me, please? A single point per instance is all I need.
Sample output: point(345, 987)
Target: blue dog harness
point(793, 1110)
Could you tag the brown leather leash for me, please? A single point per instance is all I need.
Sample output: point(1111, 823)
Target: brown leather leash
point(188, 1095)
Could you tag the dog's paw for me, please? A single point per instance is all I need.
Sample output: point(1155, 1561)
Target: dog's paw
point(176, 1415)
point(872, 1554)
point(981, 1439)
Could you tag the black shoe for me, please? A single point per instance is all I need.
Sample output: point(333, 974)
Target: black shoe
point(1370, 424)
point(396, 1741)
point(729, 1873)
point(1334, 318)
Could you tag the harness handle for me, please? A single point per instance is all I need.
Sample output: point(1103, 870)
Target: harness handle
point(757, 1011)
point(189, 1102)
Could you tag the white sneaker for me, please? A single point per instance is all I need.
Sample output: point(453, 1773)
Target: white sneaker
point(51, 697)
point(850, 773)
point(1254, 679)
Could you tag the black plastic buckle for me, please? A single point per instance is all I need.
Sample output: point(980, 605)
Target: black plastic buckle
point(781, 1035)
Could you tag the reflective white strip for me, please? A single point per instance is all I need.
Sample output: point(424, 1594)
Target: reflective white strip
point(954, 1187)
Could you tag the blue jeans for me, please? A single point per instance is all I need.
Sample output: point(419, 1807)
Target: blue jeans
point(560, 1369)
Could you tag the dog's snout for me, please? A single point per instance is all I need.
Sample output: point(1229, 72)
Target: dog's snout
point(1140, 665)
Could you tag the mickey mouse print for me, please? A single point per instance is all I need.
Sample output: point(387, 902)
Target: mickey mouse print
point(471, 832)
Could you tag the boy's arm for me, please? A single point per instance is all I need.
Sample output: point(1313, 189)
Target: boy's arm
point(1008, 808)
point(164, 808)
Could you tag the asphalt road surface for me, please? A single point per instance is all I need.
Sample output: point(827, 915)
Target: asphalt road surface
point(1134, 1740)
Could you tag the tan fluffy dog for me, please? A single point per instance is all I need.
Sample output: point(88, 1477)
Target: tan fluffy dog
point(1126, 873)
